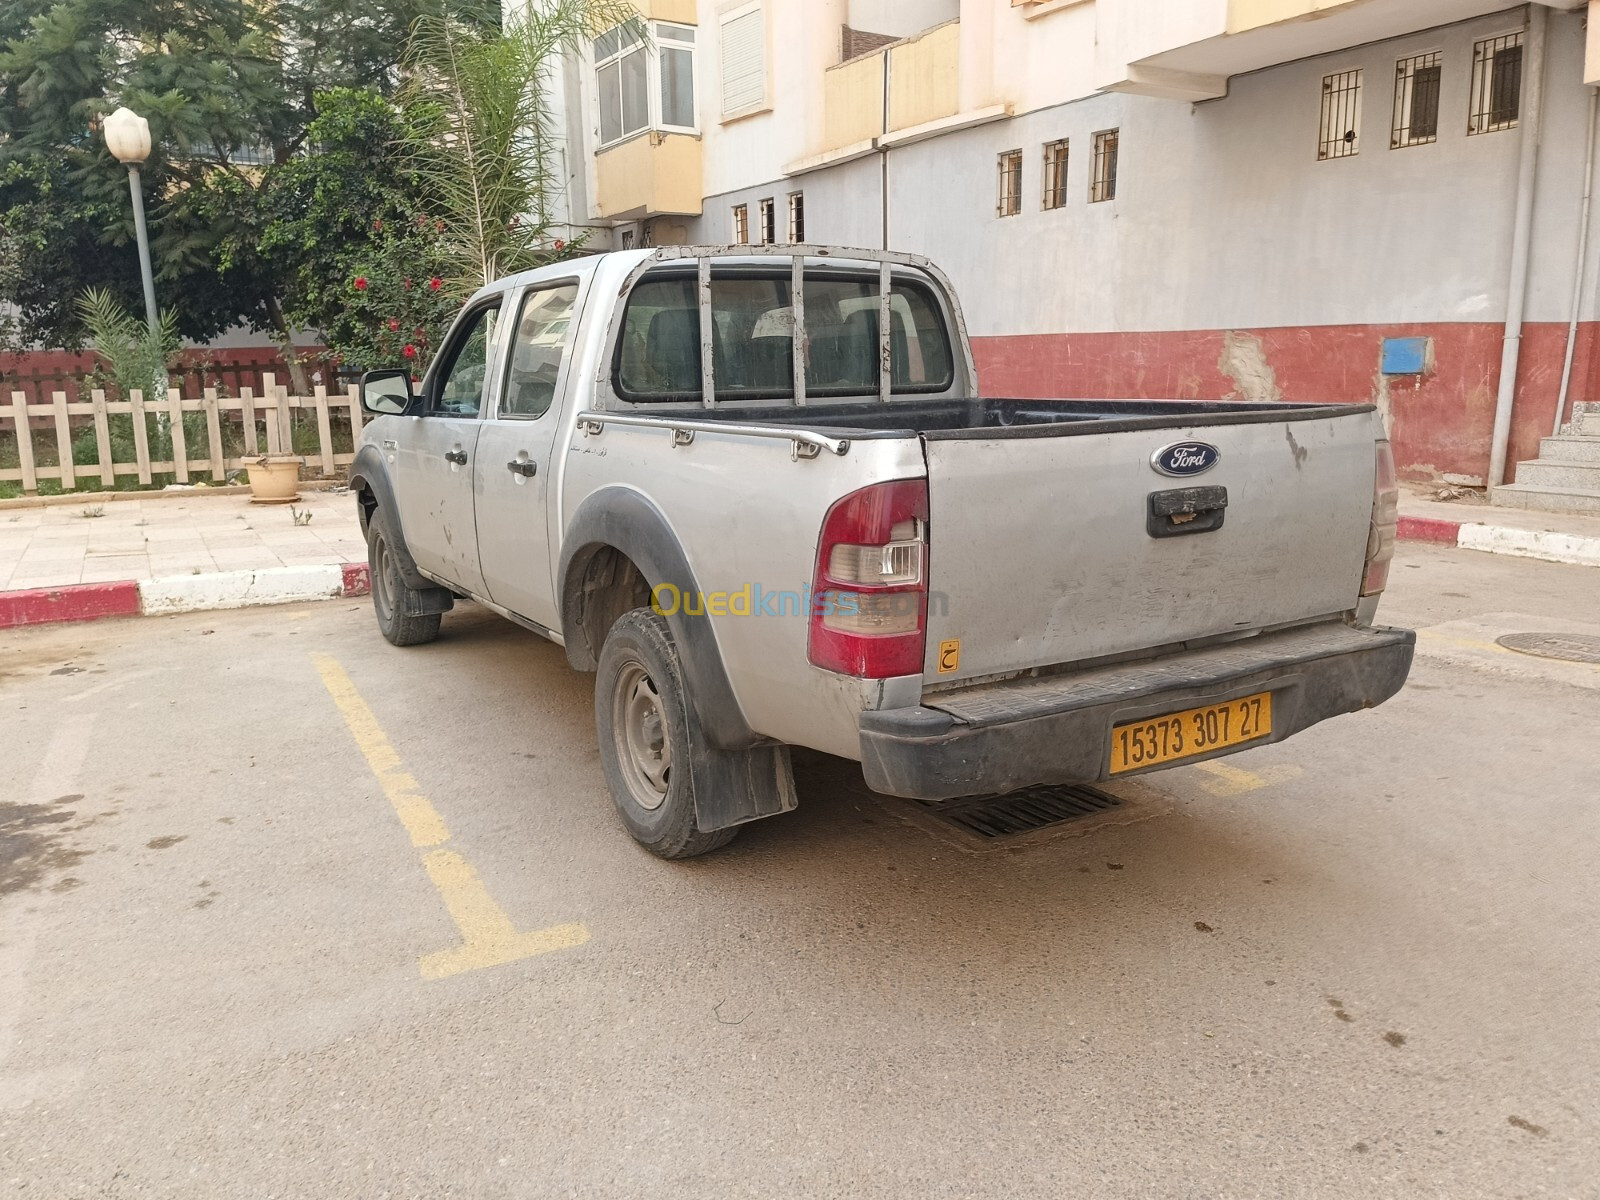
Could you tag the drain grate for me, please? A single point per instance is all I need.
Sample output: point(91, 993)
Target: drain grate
point(1025, 811)
point(1568, 647)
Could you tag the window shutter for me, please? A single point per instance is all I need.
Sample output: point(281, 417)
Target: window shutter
point(744, 67)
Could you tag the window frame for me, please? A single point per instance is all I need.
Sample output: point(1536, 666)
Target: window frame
point(1330, 146)
point(1403, 125)
point(767, 221)
point(726, 15)
point(1057, 153)
point(741, 225)
point(1103, 178)
point(1008, 184)
point(1480, 95)
point(651, 46)
point(533, 289)
point(455, 342)
point(797, 208)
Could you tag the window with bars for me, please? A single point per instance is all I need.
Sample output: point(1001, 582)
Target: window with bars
point(797, 217)
point(1339, 130)
point(769, 221)
point(1010, 202)
point(1103, 180)
point(1055, 174)
point(741, 224)
point(1496, 84)
point(1416, 101)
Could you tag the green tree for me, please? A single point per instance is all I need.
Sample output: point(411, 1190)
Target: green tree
point(229, 90)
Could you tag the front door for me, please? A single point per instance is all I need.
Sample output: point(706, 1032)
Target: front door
point(514, 459)
point(435, 454)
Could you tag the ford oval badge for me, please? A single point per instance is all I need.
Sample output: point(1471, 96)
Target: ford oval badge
point(1185, 458)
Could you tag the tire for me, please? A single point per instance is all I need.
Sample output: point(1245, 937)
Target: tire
point(389, 591)
point(641, 716)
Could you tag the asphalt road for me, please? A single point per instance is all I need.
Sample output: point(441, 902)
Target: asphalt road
point(285, 912)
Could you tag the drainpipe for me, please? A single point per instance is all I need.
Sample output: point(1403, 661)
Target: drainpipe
point(883, 151)
point(1521, 237)
point(1584, 213)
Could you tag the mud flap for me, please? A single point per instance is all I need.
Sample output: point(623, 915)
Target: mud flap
point(735, 787)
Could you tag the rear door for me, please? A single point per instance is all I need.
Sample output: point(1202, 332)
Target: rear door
point(434, 455)
point(514, 453)
point(1041, 551)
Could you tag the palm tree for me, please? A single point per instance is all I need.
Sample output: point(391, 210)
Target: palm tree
point(478, 98)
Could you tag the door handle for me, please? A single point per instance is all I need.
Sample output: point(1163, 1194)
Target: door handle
point(526, 469)
point(459, 457)
point(1185, 511)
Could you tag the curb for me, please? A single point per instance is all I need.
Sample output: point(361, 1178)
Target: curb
point(1541, 544)
point(182, 594)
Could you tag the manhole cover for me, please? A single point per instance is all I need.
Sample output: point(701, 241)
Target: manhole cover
point(1024, 811)
point(1568, 647)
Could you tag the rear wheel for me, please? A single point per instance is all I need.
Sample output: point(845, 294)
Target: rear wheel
point(641, 716)
point(389, 590)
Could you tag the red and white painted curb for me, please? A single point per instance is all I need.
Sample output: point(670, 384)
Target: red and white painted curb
point(1542, 544)
point(182, 594)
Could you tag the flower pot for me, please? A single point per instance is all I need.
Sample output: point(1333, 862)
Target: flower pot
point(274, 478)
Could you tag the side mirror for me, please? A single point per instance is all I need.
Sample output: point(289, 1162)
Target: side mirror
point(387, 393)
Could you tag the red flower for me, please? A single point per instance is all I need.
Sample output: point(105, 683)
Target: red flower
point(410, 351)
point(560, 245)
point(408, 285)
point(435, 283)
point(378, 225)
point(394, 325)
point(361, 283)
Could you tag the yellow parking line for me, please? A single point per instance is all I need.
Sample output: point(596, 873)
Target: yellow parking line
point(488, 936)
point(426, 827)
point(1464, 643)
point(1233, 781)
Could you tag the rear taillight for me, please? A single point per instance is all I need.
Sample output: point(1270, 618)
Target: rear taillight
point(1385, 517)
point(869, 600)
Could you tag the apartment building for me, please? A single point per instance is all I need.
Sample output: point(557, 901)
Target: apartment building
point(1353, 200)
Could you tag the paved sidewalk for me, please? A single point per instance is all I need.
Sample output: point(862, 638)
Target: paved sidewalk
point(164, 535)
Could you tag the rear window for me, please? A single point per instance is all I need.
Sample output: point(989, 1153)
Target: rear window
point(658, 356)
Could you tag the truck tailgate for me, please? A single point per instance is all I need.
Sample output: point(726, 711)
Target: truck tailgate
point(1040, 554)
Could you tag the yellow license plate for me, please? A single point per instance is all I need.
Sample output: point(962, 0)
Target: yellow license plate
point(1177, 736)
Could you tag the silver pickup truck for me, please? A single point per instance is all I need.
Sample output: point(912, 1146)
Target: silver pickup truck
point(756, 491)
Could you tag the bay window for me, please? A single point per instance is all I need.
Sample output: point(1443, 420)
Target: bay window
point(645, 83)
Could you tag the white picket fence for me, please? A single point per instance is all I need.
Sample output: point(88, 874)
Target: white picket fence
point(275, 406)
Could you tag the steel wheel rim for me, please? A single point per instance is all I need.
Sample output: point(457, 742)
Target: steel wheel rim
point(382, 579)
point(644, 745)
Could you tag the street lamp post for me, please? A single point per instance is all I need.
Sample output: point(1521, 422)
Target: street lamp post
point(128, 139)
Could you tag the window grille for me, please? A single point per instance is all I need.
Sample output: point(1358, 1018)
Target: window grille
point(741, 224)
point(1103, 183)
point(1416, 101)
point(769, 221)
point(1496, 84)
point(1055, 174)
point(1339, 133)
point(1010, 203)
point(797, 217)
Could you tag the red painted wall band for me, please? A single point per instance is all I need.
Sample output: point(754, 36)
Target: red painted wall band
point(1429, 529)
point(1440, 422)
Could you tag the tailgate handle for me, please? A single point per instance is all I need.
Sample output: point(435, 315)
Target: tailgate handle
point(1186, 510)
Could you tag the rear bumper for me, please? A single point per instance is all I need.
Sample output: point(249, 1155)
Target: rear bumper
point(1057, 729)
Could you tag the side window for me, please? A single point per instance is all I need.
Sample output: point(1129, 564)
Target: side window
point(538, 350)
point(465, 378)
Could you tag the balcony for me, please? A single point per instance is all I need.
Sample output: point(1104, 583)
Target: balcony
point(652, 174)
point(1187, 49)
point(895, 95)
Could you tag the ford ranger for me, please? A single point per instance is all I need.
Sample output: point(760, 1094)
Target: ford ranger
point(756, 491)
